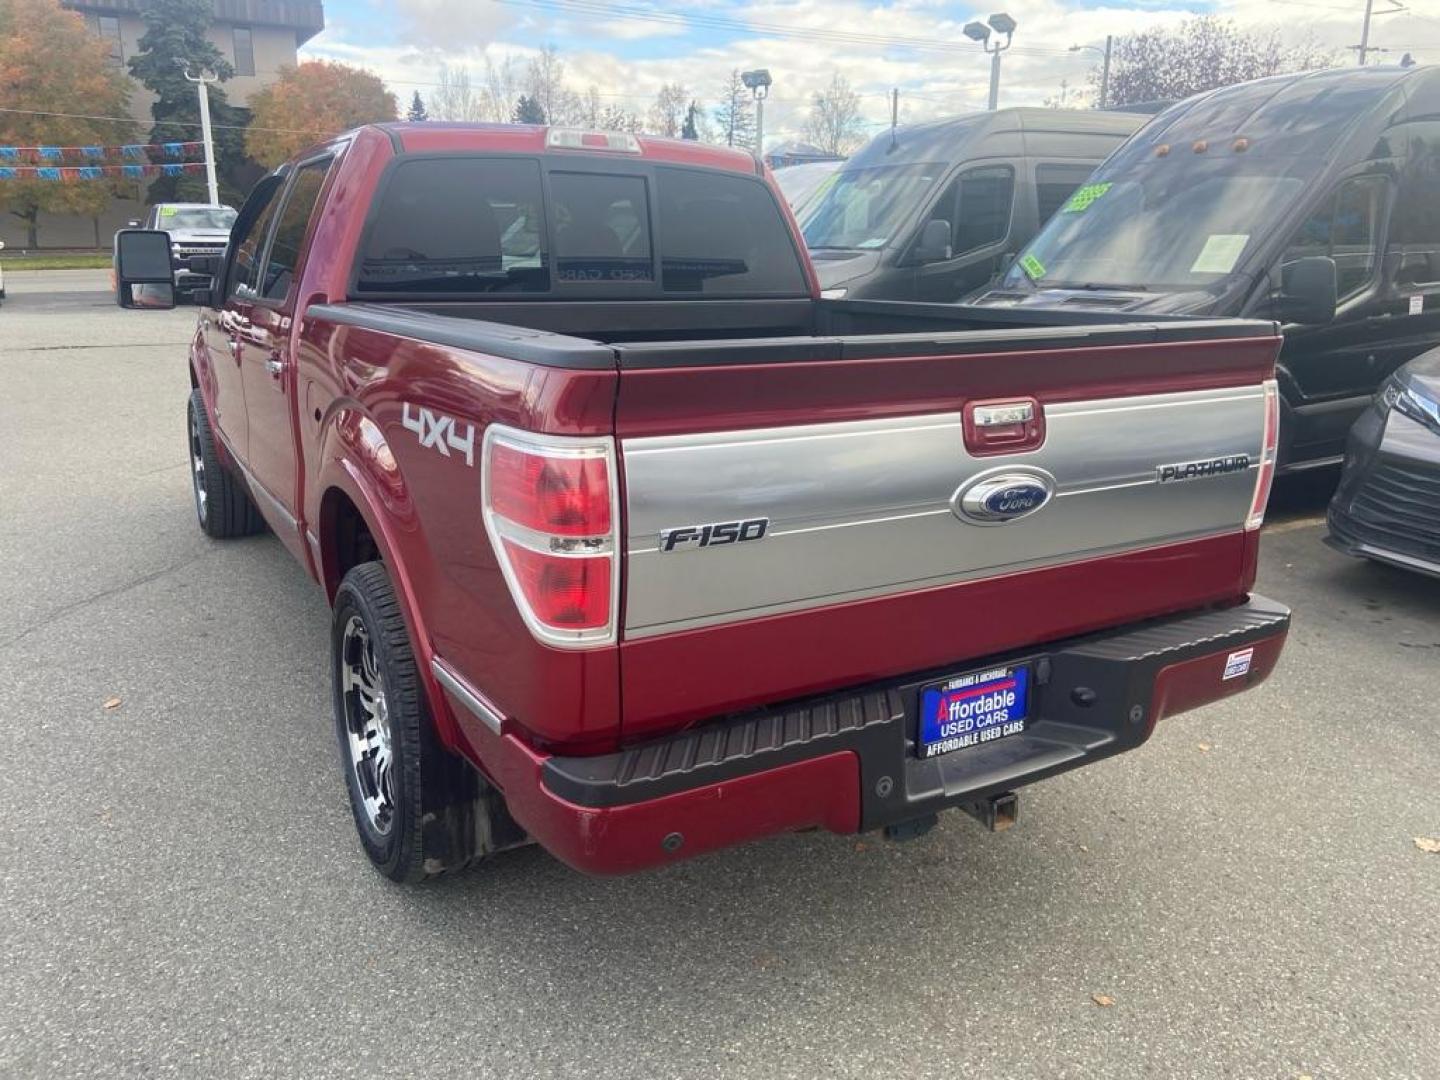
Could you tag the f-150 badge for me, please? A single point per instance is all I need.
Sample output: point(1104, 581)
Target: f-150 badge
point(440, 432)
point(716, 534)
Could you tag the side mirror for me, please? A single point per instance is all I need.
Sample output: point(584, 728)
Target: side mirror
point(934, 244)
point(1308, 291)
point(143, 274)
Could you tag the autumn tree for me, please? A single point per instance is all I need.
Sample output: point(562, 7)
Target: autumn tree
point(50, 63)
point(311, 102)
point(416, 114)
point(670, 110)
point(176, 39)
point(735, 115)
point(1201, 53)
point(835, 124)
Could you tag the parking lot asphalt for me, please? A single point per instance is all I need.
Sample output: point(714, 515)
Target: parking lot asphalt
point(182, 894)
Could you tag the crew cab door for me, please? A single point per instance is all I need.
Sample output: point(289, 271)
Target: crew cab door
point(267, 363)
point(226, 327)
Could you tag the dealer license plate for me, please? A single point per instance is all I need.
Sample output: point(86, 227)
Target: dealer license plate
point(973, 709)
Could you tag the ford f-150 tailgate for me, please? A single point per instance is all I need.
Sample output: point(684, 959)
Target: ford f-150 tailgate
point(872, 507)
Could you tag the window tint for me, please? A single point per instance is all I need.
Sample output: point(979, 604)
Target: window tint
point(457, 225)
point(290, 232)
point(1415, 222)
point(977, 206)
point(602, 228)
point(1056, 183)
point(1344, 228)
point(244, 269)
point(244, 51)
point(723, 235)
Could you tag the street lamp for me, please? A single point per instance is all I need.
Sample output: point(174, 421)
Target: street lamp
point(977, 31)
point(1105, 70)
point(758, 83)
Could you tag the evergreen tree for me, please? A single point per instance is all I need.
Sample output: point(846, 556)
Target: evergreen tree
point(691, 129)
point(528, 111)
point(176, 41)
point(734, 116)
point(417, 113)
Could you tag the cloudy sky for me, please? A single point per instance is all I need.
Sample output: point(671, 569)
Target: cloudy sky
point(627, 49)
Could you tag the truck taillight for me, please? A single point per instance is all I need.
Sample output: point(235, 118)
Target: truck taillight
point(1266, 476)
point(550, 511)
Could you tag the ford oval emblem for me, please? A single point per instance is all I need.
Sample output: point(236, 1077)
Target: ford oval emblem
point(1001, 497)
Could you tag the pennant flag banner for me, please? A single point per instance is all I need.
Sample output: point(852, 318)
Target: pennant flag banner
point(41, 155)
point(98, 172)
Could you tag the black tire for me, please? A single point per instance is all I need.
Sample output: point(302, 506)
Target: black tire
point(419, 810)
point(222, 505)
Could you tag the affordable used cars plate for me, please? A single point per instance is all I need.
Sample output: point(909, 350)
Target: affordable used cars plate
point(973, 709)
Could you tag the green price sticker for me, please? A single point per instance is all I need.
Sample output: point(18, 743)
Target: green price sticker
point(1033, 267)
point(1083, 197)
point(167, 211)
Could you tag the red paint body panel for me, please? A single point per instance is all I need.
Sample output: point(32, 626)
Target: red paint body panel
point(672, 401)
point(680, 678)
point(1192, 683)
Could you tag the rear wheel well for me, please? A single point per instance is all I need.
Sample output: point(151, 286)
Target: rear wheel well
point(345, 538)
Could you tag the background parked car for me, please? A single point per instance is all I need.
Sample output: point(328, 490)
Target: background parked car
point(928, 211)
point(1311, 199)
point(1388, 504)
point(196, 229)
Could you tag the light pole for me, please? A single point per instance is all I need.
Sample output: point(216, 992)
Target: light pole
point(1000, 23)
point(202, 83)
point(1104, 70)
point(758, 82)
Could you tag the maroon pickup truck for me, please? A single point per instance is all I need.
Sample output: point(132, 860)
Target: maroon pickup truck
point(639, 548)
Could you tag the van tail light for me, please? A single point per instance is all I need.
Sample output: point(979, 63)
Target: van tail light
point(551, 513)
point(1271, 448)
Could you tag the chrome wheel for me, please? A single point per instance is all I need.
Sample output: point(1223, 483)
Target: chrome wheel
point(367, 724)
point(197, 467)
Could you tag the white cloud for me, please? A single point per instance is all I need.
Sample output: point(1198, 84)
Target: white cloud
point(932, 83)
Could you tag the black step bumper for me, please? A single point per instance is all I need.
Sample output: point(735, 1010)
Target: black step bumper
point(1095, 696)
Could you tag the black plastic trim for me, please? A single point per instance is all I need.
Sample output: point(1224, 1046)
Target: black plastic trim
point(1116, 670)
point(493, 339)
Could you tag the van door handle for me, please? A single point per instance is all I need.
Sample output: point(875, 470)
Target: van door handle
point(275, 366)
point(1004, 414)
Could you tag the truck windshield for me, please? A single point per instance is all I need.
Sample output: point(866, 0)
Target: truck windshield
point(1165, 225)
point(863, 208)
point(197, 217)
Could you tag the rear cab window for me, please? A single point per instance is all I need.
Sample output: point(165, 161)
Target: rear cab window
point(457, 226)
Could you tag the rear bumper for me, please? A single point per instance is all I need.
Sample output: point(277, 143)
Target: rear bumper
point(846, 762)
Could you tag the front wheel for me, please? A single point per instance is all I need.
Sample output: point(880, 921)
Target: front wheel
point(418, 808)
point(222, 505)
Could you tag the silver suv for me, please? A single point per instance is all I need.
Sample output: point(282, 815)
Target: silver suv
point(195, 229)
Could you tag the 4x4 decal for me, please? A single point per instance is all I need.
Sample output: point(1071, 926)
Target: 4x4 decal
point(440, 432)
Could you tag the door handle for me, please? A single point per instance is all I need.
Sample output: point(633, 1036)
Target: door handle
point(275, 366)
point(235, 347)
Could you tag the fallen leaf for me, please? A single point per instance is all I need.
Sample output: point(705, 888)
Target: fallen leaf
point(1428, 843)
point(1103, 1000)
point(112, 703)
point(1084, 849)
point(860, 845)
point(1204, 746)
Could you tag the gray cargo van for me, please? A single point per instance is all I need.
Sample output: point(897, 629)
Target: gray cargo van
point(1310, 199)
point(928, 211)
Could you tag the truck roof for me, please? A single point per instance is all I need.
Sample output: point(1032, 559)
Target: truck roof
point(1308, 113)
point(433, 137)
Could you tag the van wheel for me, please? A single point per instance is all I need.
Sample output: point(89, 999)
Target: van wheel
point(418, 808)
point(222, 505)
